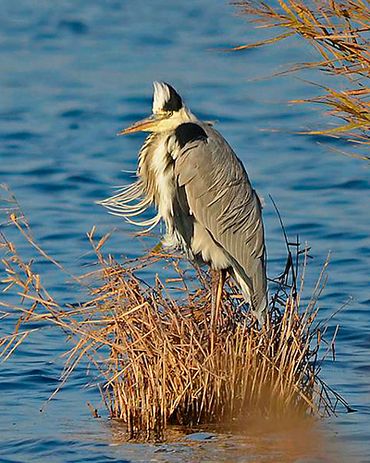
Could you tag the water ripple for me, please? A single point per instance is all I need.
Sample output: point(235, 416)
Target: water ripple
point(73, 74)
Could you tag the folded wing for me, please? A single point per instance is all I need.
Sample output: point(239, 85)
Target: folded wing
point(221, 198)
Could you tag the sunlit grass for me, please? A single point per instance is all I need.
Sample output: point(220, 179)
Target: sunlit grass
point(158, 358)
point(338, 31)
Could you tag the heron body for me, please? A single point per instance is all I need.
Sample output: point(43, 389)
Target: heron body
point(201, 191)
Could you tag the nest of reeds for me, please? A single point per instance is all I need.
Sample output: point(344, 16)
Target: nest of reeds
point(158, 357)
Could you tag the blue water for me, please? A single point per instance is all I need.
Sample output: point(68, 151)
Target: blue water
point(75, 72)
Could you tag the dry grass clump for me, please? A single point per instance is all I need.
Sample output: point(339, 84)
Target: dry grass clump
point(159, 359)
point(339, 32)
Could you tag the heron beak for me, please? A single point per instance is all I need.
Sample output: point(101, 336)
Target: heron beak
point(145, 125)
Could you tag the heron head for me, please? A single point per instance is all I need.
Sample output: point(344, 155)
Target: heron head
point(168, 112)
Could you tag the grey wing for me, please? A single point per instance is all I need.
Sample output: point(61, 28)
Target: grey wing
point(221, 198)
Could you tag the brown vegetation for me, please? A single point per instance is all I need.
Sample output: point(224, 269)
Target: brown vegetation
point(338, 30)
point(152, 348)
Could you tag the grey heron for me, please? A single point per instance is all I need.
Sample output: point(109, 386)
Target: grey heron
point(201, 191)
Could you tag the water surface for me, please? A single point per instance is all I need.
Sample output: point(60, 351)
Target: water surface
point(73, 74)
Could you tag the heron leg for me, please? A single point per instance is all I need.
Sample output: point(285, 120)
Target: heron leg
point(218, 280)
point(220, 287)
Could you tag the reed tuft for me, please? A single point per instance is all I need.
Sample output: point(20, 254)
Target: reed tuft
point(158, 358)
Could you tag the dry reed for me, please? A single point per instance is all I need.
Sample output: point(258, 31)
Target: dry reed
point(152, 348)
point(338, 31)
